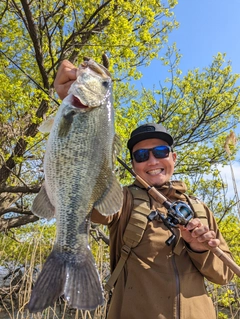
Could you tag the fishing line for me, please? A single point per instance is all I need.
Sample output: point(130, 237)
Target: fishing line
point(37, 84)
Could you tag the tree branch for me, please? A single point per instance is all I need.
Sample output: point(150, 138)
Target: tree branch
point(6, 224)
point(36, 43)
point(20, 189)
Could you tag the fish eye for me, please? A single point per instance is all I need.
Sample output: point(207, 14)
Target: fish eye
point(105, 84)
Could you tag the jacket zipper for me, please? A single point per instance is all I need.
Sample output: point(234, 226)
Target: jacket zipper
point(177, 287)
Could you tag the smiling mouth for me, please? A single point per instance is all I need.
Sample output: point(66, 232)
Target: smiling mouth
point(77, 103)
point(155, 171)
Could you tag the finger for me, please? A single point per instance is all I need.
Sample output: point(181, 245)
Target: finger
point(66, 75)
point(66, 72)
point(214, 242)
point(205, 237)
point(201, 230)
point(65, 64)
point(193, 224)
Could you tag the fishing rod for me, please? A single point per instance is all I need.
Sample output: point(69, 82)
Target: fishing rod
point(179, 213)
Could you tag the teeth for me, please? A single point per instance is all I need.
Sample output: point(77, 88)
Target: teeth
point(155, 171)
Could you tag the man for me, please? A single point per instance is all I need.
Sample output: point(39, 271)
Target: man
point(159, 281)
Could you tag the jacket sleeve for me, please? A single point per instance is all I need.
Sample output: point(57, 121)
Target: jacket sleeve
point(97, 218)
point(211, 266)
point(110, 220)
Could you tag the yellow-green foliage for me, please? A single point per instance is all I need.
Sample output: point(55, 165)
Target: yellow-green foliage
point(22, 244)
point(230, 229)
point(128, 31)
point(227, 297)
point(198, 107)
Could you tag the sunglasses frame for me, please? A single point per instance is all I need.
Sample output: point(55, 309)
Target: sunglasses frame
point(152, 150)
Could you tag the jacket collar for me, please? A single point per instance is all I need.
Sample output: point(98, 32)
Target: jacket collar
point(174, 189)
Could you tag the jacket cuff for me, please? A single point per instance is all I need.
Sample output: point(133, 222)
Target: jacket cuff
point(190, 250)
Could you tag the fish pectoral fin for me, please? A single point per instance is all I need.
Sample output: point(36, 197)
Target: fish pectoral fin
point(66, 123)
point(42, 207)
point(47, 125)
point(111, 200)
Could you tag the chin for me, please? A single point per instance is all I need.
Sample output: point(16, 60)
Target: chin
point(158, 183)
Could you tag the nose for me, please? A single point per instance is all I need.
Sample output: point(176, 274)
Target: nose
point(152, 159)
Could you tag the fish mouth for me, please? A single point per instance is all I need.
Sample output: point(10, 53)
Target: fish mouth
point(77, 103)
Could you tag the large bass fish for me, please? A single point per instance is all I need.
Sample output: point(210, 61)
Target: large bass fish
point(79, 176)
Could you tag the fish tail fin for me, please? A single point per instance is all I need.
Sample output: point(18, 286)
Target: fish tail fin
point(83, 289)
point(73, 276)
point(50, 283)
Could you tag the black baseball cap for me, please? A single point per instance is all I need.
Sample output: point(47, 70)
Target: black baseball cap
point(147, 131)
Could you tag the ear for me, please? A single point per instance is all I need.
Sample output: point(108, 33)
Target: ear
point(174, 155)
point(132, 163)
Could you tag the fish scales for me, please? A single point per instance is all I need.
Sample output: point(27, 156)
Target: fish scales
point(79, 176)
point(69, 205)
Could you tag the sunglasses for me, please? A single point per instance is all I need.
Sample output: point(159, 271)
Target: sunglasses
point(142, 155)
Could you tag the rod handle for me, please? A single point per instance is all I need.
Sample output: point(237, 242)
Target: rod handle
point(225, 259)
point(153, 192)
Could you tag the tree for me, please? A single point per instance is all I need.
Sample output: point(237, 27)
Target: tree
point(198, 108)
point(36, 36)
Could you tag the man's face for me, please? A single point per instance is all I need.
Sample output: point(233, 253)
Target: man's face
point(155, 171)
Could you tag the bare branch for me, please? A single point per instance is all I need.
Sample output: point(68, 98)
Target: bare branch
point(20, 189)
point(35, 40)
point(6, 224)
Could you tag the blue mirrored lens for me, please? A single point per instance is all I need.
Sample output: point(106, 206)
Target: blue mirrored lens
point(161, 151)
point(142, 155)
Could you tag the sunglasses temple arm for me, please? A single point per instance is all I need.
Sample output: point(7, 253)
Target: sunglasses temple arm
point(160, 198)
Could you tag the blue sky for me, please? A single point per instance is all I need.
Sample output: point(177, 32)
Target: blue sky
point(206, 28)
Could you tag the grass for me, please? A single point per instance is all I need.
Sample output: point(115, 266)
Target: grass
point(16, 293)
point(30, 253)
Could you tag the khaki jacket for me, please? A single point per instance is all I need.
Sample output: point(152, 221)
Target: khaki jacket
point(160, 281)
